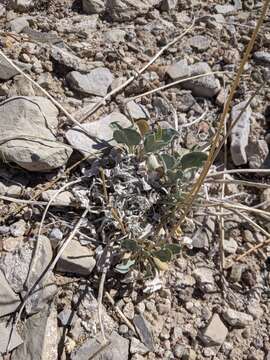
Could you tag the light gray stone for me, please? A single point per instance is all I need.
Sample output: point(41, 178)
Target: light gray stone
point(27, 134)
point(199, 42)
point(118, 349)
point(56, 235)
point(136, 347)
point(205, 279)
point(96, 82)
point(18, 228)
point(69, 60)
point(240, 133)
point(215, 332)
point(115, 35)
point(206, 86)
point(265, 198)
point(168, 5)
point(9, 301)
point(17, 25)
point(21, 87)
point(7, 342)
point(76, 259)
point(137, 111)
point(123, 10)
point(237, 318)
point(257, 153)
point(179, 70)
point(93, 6)
point(230, 246)
point(40, 337)
point(7, 71)
point(65, 198)
point(83, 25)
point(144, 331)
point(101, 131)
point(20, 5)
point(262, 57)
point(225, 9)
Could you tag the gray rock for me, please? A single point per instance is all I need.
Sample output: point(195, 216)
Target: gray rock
point(101, 131)
point(240, 133)
point(215, 332)
point(179, 70)
point(118, 349)
point(225, 9)
point(65, 198)
point(66, 317)
point(46, 289)
point(161, 106)
point(76, 259)
point(257, 153)
point(230, 246)
point(83, 25)
point(199, 42)
point(4, 230)
point(18, 228)
point(7, 71)
point(115, 35)
point(237, 318)
point(40, 337)
point(123, 10)
point(20, 5)
point(27, 134)
point(9, 338)
point(144, 331)
point(17, 25)
point(69, 60)
point(136, 111)
point(205, 279)
point(168, 5)
point(56, 235)
point(262, 57)
point(96, 82)
point(15, 266)
point(236, 272)
point(93, 6)
point(265, 198)
point(207, 86)
point(21, 87)
point(136, 347)
point(9, 301)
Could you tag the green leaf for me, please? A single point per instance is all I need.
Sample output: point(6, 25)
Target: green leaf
point(123, 268)
point(163, 255)
point(129, 137)
point(168, 134)
point(130, 245)
point(173, 176)
point(174, 248)
point(168, 160)
point(193, 159)
point(152, 163)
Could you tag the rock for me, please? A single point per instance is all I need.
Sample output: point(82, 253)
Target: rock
point(20, 5)
point(136, 347)
point(237, 318)
point(9, 338)
point(15, 266)
point(265, 198)
point(100, 130)
point(46, 289)
point(118, 349)
point(68, 60)
point(17, 25)
point(56, 236)
point(215, 332)
point(144, 331)
point(123, 10)
point(179, 70)
point(93, 6)
point(7, 71)
point(207, 86)
point(82, 25)
point(40, 337)
point(21, 87)
point(225, 9)
point(199, 42)
point(96, 82)
point(262, 57)
point(65, 198)
point(240, 133)
point(236, 272)
point(257, 153)
point(168, 5)
point(29, 138)
point(204, 278)
point(137, 111)
point(76, 259)
point(115, 35)
point(9, 301)
point(18, 228)
point(66, 317)
point(230, 246)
